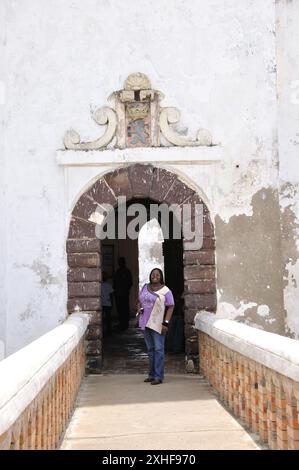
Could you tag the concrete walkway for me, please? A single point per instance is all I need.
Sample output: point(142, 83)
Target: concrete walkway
point(117, 412)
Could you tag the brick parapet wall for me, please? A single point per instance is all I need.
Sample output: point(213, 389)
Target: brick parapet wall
point(265, 398)
point(37, 397)
point(84, 290)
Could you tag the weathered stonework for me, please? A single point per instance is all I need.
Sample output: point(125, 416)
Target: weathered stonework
point(93, 332)
point(201, 301)
point(83, 246)
point(119, 182)
point(199, 258)
point(78, 304)
point(84, 289)
point(93, 348)
point(203, 286)
point(85, 207)
point(84, 254)
point(83, 274)
point(137, 121)
point(95, 317)
point(100, 191)
point(81, 229)
point(199, 272)
point(86, 260)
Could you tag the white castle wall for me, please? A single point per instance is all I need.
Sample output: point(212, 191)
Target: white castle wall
point(215, 61)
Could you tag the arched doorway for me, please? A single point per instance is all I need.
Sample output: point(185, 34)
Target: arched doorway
point(137, 182)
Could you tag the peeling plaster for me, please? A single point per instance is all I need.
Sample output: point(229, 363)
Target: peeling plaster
point(97, 218)
point(26, 314)
point(289, 228)
point(246, 313)
point(290, 251)
point(249, 269)
point(288, 192)
point(241, 184)
point(230, 312)
point(42, 271)
point(263, 310)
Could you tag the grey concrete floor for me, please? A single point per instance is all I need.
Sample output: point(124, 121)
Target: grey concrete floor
point(117, 412)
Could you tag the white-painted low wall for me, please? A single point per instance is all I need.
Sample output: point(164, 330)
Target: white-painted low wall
point(271, 350)
point(24, 373)
point(255, 373)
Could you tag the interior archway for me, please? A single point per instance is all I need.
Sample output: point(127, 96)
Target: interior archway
point(137, 182)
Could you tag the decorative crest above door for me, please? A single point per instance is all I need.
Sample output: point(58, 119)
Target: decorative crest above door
point(137, 120)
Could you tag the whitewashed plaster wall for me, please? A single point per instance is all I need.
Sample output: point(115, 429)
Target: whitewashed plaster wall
point(2, 260)
point(2, 197)
point(213, 60)
point(287, 18)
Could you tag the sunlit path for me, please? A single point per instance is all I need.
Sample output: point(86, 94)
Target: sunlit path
point(123, 412)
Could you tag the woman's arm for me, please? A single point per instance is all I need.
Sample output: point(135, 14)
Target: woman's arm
point(169, 313)
point(138, 304)
point(167, 318)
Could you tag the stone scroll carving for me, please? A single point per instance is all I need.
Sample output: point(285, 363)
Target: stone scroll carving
point(170, 116)
point(137, 120)
point(102, 116)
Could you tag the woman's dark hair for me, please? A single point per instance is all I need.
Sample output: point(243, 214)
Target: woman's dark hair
point(161, 275)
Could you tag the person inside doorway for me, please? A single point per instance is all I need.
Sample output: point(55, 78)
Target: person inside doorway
point(155, 307)
point(106, 299)
point(122, 284)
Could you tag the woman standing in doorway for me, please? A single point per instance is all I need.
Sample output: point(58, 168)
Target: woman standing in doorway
point(155, 306)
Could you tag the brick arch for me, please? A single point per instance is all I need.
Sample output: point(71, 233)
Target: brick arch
point(84, 249)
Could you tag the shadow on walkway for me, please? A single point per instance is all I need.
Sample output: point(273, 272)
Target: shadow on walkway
point(124, 352)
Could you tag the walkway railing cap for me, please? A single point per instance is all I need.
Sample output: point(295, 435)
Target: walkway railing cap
point(276, 352)
point(24, 373)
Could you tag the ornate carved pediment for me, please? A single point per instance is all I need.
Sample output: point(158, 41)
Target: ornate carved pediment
point(137, 120)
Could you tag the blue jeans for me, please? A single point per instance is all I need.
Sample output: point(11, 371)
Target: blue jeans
point(155, 347)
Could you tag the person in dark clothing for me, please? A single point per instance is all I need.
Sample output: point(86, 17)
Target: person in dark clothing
point(121, 286)
point(106, 299)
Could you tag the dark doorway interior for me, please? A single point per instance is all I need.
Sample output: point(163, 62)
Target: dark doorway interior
point(174, 279)
point(124, 351)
